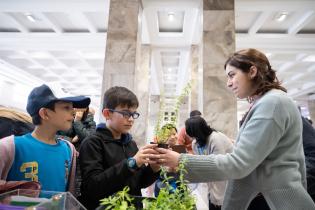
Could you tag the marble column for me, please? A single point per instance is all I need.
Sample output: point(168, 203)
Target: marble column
point(183, 113)
point(127, 61)
point(194, 52)
point(311, 109)
point(219, 105)
point(154, 108)
point(141, 89)
point(121, 44)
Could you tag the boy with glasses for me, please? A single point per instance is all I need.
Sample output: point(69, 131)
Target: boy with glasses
point(109, 158)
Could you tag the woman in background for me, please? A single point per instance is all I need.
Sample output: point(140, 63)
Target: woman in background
point(209, 141)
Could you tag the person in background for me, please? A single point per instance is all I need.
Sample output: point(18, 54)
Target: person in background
point(110, 158)
point(14, 122)
point(40, 156)
point(171, 130)
point(185, 139)
point(83, 125)
point(268, 155)
point(206, 141)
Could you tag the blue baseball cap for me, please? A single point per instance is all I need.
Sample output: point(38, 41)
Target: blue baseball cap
point(41, 96)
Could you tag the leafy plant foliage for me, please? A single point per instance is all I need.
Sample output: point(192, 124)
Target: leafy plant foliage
point(178, 199)
point(162, 134)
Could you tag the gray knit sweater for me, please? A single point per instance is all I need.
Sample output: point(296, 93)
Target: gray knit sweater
point(268, 158)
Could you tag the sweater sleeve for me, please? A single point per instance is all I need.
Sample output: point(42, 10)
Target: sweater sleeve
point(257, 140)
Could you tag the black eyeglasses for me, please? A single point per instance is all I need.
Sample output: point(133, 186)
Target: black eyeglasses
point(126, 114)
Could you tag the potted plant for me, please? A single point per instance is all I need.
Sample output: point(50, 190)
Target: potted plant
point(162, 133)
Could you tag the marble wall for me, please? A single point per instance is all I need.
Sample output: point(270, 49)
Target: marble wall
point(194, 96)
point(141, 89)
point(183, 113)
point(219, 104)
point(154, 108)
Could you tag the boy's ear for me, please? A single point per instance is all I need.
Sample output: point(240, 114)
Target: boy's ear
point(106, 113)
point(43, 113)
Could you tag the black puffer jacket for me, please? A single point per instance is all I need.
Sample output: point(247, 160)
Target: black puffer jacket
point(104, 167)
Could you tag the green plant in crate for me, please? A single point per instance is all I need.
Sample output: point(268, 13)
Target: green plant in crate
point(178, 199)
point(120, 201)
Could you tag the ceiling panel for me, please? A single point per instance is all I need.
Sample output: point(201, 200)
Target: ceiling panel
point(64, 21)
point(244, 20)
point(310, 26)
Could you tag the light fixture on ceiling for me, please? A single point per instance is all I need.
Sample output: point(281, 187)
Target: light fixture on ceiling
point(31, 17)
point(169, 69)
point(171, 16)
point(281, 16)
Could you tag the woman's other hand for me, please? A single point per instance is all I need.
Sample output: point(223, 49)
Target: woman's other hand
point(168, 157)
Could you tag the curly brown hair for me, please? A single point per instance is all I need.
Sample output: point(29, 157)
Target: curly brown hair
point(265, 78)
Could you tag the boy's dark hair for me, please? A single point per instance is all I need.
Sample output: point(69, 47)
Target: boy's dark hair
point(36, 119)
point(119, 96)
point(195, 113)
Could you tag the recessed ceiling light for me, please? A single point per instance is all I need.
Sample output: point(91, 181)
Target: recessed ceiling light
point(32, 17)
point(171, 16)
point(281, 16)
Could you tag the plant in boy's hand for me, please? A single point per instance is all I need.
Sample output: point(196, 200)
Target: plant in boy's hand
point(146, 154)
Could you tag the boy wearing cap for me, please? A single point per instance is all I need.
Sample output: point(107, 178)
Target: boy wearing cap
point(109, 158)
point(39, 156)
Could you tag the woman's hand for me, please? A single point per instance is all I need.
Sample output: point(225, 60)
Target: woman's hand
point(146, 154)
point(168, 157)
